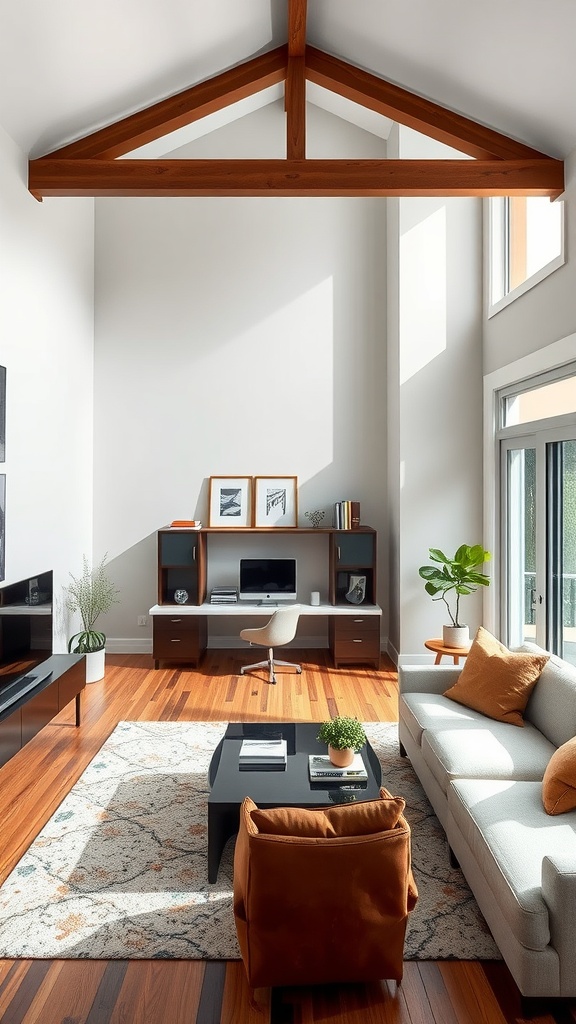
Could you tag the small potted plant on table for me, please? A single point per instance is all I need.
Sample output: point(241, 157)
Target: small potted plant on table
point(91, 594)
point(456, 576)
point(344, 737)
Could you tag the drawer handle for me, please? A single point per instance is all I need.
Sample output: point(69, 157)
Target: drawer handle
point(175, 620)
point(175, 641)
point(356, 641)
point(358, 620)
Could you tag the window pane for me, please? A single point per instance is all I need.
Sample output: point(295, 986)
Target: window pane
point(569, 551)
point(554, 399)
point(521, 545)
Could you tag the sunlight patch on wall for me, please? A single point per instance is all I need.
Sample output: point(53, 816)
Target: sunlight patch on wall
point(422, 293)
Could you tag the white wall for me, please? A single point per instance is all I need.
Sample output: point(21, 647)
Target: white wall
point(434, 395)
point(236, 336)
point(46, 344)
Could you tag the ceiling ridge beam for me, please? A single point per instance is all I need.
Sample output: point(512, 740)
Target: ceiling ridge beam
point(74, 177)
point(297, 11)
point(179, 110)
point(414, 111)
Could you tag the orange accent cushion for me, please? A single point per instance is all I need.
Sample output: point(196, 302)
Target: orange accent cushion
point(559, 782)
point(355, 819)
point(495, 681)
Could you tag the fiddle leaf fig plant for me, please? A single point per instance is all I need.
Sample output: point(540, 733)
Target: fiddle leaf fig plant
point(342, 734)
point(456, 576)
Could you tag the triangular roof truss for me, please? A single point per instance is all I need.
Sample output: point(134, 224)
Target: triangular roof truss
point(92, 166)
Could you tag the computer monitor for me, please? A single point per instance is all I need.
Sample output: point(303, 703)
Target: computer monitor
point(267, 580)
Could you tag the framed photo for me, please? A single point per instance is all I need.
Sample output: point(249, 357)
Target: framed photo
point(230, 501)
point(2, 526)
point(275, 501)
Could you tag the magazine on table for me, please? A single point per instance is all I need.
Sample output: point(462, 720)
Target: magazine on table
point(321, 769)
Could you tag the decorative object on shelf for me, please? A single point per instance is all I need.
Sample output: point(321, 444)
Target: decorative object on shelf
point(457, 576)
point(315, 598)
point(180, 596)
point(230, 501)
point(345, 737)
point(315, 517)
point(91, 594)
point(356, 589)
point(276, 501)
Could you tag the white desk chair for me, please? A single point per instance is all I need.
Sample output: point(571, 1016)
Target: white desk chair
point(279, 630)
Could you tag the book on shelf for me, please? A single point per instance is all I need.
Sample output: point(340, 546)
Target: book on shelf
point(346, 514)
point(263, 752)
point(185, 524)
point(321, 769)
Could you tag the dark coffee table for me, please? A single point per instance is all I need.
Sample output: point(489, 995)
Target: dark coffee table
point(273, 787)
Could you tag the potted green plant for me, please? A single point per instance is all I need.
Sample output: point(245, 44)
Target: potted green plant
point(344, 737)
point(457, 577)
point(90, 594)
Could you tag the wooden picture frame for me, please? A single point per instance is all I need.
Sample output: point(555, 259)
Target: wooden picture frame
point(276, 501)
point(230, 501)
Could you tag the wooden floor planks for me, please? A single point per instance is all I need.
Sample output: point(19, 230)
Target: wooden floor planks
point(193, 992)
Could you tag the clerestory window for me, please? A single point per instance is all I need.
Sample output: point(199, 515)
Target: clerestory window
point(526, 244)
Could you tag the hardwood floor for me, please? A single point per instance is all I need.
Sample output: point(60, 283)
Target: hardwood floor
point(34, 782)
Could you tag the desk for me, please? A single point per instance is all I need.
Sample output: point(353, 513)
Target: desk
point(180, 631)
point(440, 649)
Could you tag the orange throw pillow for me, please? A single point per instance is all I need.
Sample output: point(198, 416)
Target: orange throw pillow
point(364, 817)
point(495, 681)
point(559, 782)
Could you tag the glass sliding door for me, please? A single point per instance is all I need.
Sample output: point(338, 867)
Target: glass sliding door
point(538, 489)
point(519, 543)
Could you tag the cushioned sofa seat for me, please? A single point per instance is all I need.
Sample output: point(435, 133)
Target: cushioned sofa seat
point(506, 827)
point(486, 750)
point(423, 711)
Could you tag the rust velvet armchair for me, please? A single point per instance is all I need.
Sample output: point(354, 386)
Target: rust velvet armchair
point(323, 895)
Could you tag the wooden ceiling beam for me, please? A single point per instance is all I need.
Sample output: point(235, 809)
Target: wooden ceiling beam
point(177, 111)
point(61, 177)
point(297, 12)
point(295, 98)
point(411, 110)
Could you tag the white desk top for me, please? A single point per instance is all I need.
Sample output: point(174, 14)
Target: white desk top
point(244, 608)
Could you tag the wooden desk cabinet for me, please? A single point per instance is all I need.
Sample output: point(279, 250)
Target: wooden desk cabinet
point(183, 565)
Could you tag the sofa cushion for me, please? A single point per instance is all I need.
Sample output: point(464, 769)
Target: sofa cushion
point(486, 750)
point(559, 782)
point(364, 817)
point(496, 681)
point(552, 705)
point(420, 711)
point(509, 834)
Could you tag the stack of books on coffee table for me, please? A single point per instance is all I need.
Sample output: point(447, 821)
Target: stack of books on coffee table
point(261, 753)
point(321, 769)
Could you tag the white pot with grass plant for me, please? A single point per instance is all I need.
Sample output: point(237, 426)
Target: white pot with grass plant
point(449, 579)
point(90, 594)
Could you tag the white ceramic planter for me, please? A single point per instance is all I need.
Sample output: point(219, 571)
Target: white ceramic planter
point(456, 636)
point(95, 666)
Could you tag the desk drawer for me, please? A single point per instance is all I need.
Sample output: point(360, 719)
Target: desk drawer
point(178, 637)
point(346, 626)
point(355, 638)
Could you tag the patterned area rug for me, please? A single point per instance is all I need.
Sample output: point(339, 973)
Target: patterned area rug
point(120, 870)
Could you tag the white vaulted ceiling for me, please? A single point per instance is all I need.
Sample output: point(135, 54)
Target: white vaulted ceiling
point(68, 67)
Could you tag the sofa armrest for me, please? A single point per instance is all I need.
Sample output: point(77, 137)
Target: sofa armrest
point(559, 891)
point(427, 678)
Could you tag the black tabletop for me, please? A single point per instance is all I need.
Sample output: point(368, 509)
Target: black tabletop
point(290, 785)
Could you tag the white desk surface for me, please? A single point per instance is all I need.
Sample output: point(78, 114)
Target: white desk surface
point(244, 608)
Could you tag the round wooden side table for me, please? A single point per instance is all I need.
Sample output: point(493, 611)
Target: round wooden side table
point(440, 649)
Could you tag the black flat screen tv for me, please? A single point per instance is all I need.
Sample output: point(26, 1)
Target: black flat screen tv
point(267, 580)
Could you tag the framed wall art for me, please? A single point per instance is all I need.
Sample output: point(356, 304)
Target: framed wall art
point(230, 501)
point(2, 526)
point(276, 501)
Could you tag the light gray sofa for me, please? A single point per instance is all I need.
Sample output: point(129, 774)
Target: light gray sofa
point(484, 781)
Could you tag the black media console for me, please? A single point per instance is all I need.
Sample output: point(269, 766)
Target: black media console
point(34, 683)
